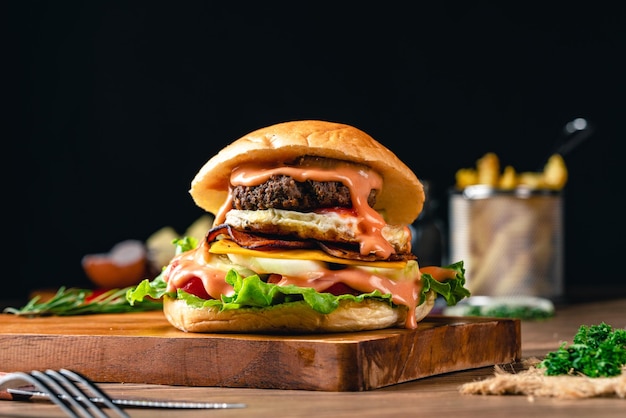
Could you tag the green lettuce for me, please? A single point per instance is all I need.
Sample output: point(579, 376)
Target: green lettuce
point(452, 290)
point(251, 291)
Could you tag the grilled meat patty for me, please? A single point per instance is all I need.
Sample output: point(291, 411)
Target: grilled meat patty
point(283, 192)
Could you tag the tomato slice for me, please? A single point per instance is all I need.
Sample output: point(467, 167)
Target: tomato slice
point(336, 289)
point(274, 278)
point(342, 289)
point(195, 287)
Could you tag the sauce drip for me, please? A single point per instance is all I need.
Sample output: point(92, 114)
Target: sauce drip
point(193, 263)
point(359, 180)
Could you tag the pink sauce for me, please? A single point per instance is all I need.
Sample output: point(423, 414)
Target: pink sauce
point(359, 181)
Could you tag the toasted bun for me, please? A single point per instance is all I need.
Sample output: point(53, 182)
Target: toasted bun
point(294, 317)
point(287, 141)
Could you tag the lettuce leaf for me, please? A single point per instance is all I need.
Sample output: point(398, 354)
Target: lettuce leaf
point(452, 290)
point(251, 291)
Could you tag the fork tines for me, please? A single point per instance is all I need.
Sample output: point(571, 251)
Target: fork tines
point(71, 391)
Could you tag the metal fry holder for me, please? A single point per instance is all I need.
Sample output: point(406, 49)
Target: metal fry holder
point(511, 241)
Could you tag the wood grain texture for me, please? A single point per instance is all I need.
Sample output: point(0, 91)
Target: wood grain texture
point(145, 348)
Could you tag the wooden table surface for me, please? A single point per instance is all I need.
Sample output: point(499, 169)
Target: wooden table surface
point(433, 396)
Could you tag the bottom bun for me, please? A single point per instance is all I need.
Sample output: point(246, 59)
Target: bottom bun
point(293, 317)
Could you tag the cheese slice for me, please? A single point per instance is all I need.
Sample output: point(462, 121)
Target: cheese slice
point(226, 246)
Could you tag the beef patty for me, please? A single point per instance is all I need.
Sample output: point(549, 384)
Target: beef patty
point(283, 192)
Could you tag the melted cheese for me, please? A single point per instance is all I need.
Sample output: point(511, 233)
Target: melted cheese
point(226, 246)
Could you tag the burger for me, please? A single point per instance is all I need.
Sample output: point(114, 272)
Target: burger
point(310, 235)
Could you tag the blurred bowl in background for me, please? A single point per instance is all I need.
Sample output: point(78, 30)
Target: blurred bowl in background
point(125, 265)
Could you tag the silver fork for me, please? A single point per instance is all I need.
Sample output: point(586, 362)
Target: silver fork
point(71, 391)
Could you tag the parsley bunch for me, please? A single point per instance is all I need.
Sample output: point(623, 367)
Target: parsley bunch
point(597, 351)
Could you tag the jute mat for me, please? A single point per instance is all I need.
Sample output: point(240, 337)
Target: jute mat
point(532, 381)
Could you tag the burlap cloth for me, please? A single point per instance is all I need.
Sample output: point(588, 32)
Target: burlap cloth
point(531, 381)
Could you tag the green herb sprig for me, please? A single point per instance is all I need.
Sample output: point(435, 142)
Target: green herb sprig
point(504, 311)
point(74, 301)
point(597, 351)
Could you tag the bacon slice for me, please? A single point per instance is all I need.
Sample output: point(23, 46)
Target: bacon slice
point(354, 254)
point(254, 241)
point(262, 242)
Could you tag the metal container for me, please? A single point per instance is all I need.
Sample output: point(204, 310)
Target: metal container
point(511, 242)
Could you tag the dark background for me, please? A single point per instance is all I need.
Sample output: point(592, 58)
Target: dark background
point(117, 106)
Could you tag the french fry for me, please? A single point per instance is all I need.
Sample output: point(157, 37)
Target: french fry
point(488, 169)
point(466, 177)
point(531, 180)
point(508, 180)
point(487, 172)
point(555, 173)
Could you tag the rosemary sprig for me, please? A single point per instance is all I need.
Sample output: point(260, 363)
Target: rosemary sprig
point(75, 301)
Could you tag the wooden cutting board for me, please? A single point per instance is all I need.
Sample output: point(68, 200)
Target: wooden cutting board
point(145, 348)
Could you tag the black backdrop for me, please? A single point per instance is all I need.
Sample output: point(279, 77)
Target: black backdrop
point(119, 104)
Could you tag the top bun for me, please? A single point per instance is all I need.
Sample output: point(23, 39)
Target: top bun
point(287, 141)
